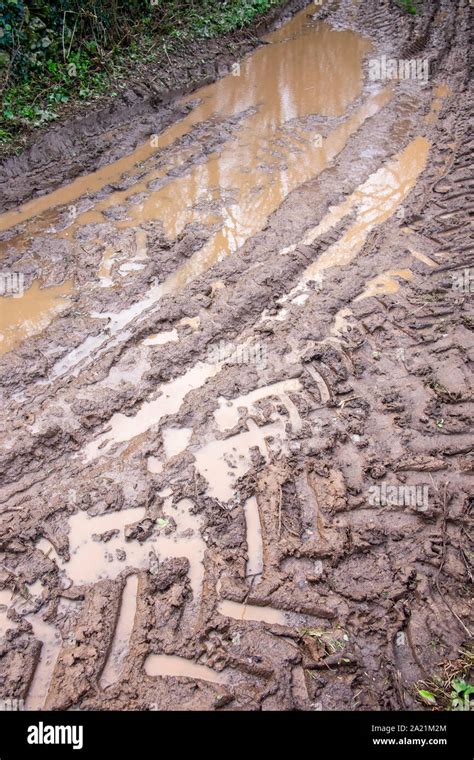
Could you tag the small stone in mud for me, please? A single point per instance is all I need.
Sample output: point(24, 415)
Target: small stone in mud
point(104, 537)
point(318, 568)
point(377, 470)
point(154, 563)
point(140, 531)
point(222, 701)
point(121, 555)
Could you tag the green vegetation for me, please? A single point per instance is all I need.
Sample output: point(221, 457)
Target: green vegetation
point(460, 694)
point(449, 689)
point(408, 5)
point(54, 52)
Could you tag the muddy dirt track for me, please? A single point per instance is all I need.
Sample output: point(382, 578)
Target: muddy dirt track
point(237, 403)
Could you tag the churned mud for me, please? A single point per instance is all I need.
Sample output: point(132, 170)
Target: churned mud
point(237, 404)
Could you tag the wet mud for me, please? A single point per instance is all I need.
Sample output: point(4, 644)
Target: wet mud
point(232, 343)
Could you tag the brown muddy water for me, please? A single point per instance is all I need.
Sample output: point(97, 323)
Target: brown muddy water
point(308, 72)
point(308, 69)
point(30, 313)
point(172, 665)
point(375, 201)
point(123, 631)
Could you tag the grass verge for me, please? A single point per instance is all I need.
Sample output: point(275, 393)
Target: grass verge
point(60, 55)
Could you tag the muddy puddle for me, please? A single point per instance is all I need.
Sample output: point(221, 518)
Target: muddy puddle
point(175, 440)
point(385, 283)
point(253, 613)
point(254, 567)
point(227, 415)
point(28, 314)
point(102, 547)
point(51, 643)
point(159, 339)
point(179, 667)
point(123, 428)
point(123, 631)
point(282, 81)
point(304, 80)
point(44, 632)
point(5, 597)
point(267, 614)
point(375, 201)
point(221, 462)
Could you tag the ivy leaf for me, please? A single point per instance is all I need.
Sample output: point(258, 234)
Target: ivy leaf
point(459, 685)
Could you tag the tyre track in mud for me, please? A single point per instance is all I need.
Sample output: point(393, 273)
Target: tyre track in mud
point(357, 602)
